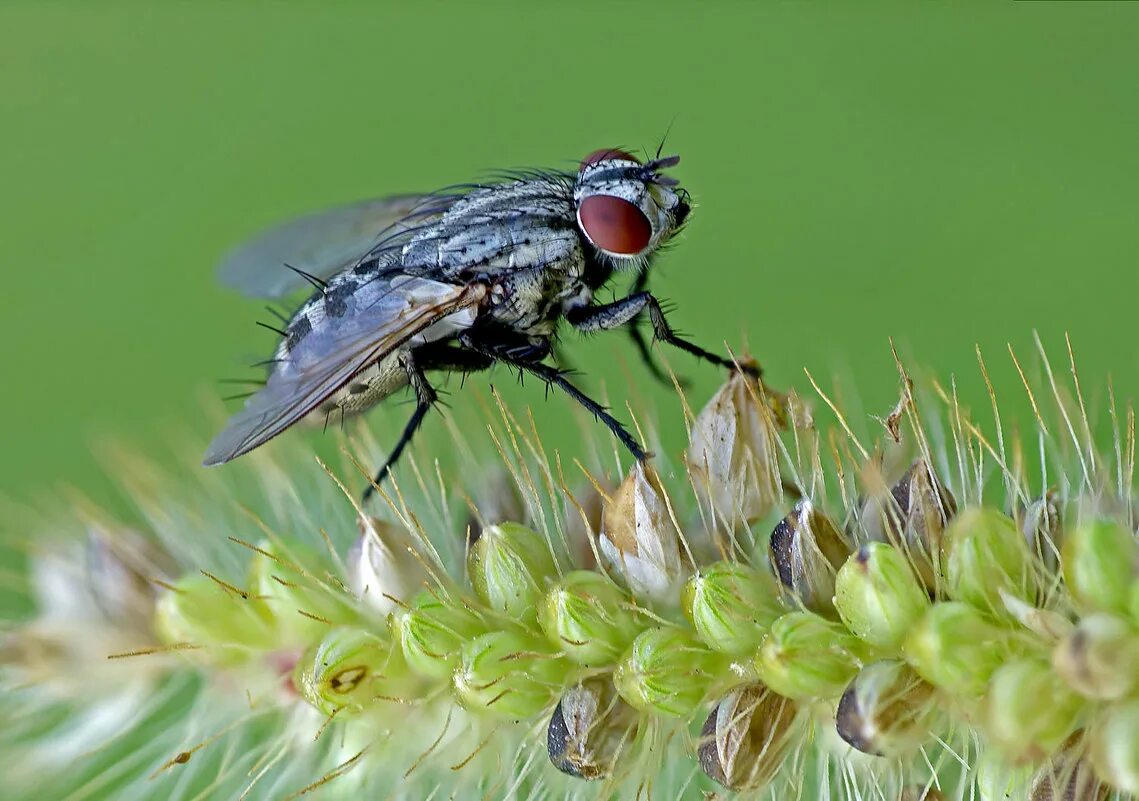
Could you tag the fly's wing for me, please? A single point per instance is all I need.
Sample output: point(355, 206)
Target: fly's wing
point(392, 311)
point(325, 243)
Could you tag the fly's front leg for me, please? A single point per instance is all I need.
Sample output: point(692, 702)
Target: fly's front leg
point(509, 352)
point(425, 398)
point(620, 312)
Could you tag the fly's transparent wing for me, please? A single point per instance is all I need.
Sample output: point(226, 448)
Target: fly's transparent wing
point(392, 312)
point(324, 243)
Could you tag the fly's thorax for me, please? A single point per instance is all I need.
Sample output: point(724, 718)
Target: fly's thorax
point(531, 300)
point(499, 229)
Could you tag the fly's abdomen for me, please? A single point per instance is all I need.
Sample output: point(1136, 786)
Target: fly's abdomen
point(366, 389)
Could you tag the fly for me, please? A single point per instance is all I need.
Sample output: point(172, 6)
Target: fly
point(455, 281)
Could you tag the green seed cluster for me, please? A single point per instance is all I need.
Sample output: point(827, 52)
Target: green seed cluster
point(1034, 658)
point(780, 614)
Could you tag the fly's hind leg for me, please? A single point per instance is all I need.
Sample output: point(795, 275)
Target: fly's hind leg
point(510, 352)
point(425, 398)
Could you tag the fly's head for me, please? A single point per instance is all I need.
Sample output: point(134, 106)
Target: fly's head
point(627, 209)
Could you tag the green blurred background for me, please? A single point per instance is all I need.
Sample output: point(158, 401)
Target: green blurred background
point(943, 174)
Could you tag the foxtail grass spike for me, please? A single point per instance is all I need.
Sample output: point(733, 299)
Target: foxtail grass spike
point(576, 626)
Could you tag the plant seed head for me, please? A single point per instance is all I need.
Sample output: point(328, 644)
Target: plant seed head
point(430, 632)
point(638, 538)
point(1101, 563)
point(584, 615)
point(955, 648)
point(198, 610)
point(985, 554)
point(121, 566)
point(301, 604)
point(348, 669)
point(1028, 711)
point(807, 657)
point(878, 596)
point(382, 566)
point(666, 671)
point(590, 729)
point(913, 518)
point(806, 550)
point(498, 501)
point(746, 737)
point(1099, 658)
point(507, 674)
point(731, 605)
point(1114, 746)
point(733, 452)
point(886, 709)
point(509, 566)
point(1042, 525)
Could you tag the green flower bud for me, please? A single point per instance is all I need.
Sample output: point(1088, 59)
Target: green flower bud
point(747, 737)
point(913, 518)
point(805, 551)
point(431, 631)
point(1114, 746)
point(304, 607)
point(508, 566)
point(200, 611)
point(667, 671)
point(731, 605)
point(584, 615)
point(878, 596)
point(507, 674)
point(638, 539)
point(1100, 565)
point(1028, 711)
point(955, 648)
point(349, 669)
point(886, 710)
point(1100, 657)
point(984, 554)
point(590, 728)
point(806, 657)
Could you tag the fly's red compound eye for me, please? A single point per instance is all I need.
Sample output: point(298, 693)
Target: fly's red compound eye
point(615, 225)
point(607, 154)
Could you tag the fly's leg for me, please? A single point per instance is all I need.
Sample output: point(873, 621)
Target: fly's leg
point(510, 352)
point(620, 312)
point(640, 284)
point(425, 398)
point(649, 360)
point(449, 357)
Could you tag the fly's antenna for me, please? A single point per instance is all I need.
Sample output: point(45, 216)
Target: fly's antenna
point(664, 138)
point(651, 171)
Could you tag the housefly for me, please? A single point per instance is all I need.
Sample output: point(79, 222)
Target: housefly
point(454, 281)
